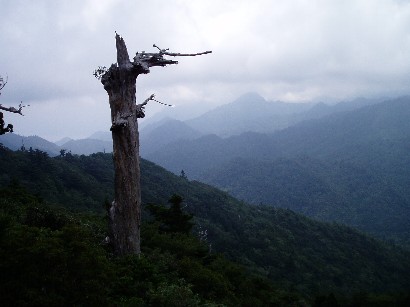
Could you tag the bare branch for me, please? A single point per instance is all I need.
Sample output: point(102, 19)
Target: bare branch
point(140, 64)
point(143, 61)
point(165, 52)
point(13, 109)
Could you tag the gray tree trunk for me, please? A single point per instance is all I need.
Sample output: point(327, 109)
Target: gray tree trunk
point(125, 212)
point(119, 82)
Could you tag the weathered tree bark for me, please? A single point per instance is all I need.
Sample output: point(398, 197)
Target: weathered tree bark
point(119, 82)
point(124, 214)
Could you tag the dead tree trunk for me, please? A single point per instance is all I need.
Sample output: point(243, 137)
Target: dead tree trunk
point(119, 82)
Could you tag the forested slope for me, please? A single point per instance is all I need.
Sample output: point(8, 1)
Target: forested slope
point(294, 252)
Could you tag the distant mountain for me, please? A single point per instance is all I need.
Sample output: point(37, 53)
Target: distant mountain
point(351, 167)
point(167, 131)
point(339, 136)
point(357, 103)
point(63, 141)
point(80, 147)
point(250, 112)
point(101, 135)
point(322, 109)
point(153, 125)
point(87, 146)
point(179, 112)
point(15, 142)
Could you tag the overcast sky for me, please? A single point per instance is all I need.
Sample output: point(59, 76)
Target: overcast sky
point(290, 50)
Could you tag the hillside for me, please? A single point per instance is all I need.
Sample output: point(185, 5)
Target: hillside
point(87, 146)
point(166, 132)
point(50, 256)
point(15, 142)
point(357, 161)
point(328, 191)
point(293, 251)
point(80, 147)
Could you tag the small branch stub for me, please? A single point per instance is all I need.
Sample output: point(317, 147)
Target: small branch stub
point(99, 72)
point(141, 106)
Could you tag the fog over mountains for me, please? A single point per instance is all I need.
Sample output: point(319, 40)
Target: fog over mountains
point(346, 162)
point(350, 166)
point(249, 113)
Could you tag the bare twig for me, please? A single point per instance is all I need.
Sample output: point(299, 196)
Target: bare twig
point(3, 83)
point(141, 64)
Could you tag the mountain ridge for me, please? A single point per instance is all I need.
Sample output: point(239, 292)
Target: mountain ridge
point(371, 142)
point(248, 113)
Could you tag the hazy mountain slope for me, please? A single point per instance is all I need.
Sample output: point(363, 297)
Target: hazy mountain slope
point(87, 146)
point(328, 191)
point(197, 156)
point(317, 137)
point(293, 251)
point(250, 112)
point(63, 141)
point(346, 135)
point(359, 167)
point(15, 141)
point(101, 135)
point(169, 131)
point(340, 132)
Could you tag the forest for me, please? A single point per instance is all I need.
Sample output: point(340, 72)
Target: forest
point(222, 252)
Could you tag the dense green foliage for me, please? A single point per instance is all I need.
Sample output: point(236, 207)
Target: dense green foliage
point(50, 257)
point(173, 219)
point(295, 253)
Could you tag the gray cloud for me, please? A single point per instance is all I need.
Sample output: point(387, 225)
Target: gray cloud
point(289, 50)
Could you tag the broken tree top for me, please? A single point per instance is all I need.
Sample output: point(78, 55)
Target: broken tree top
point(141, 62)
